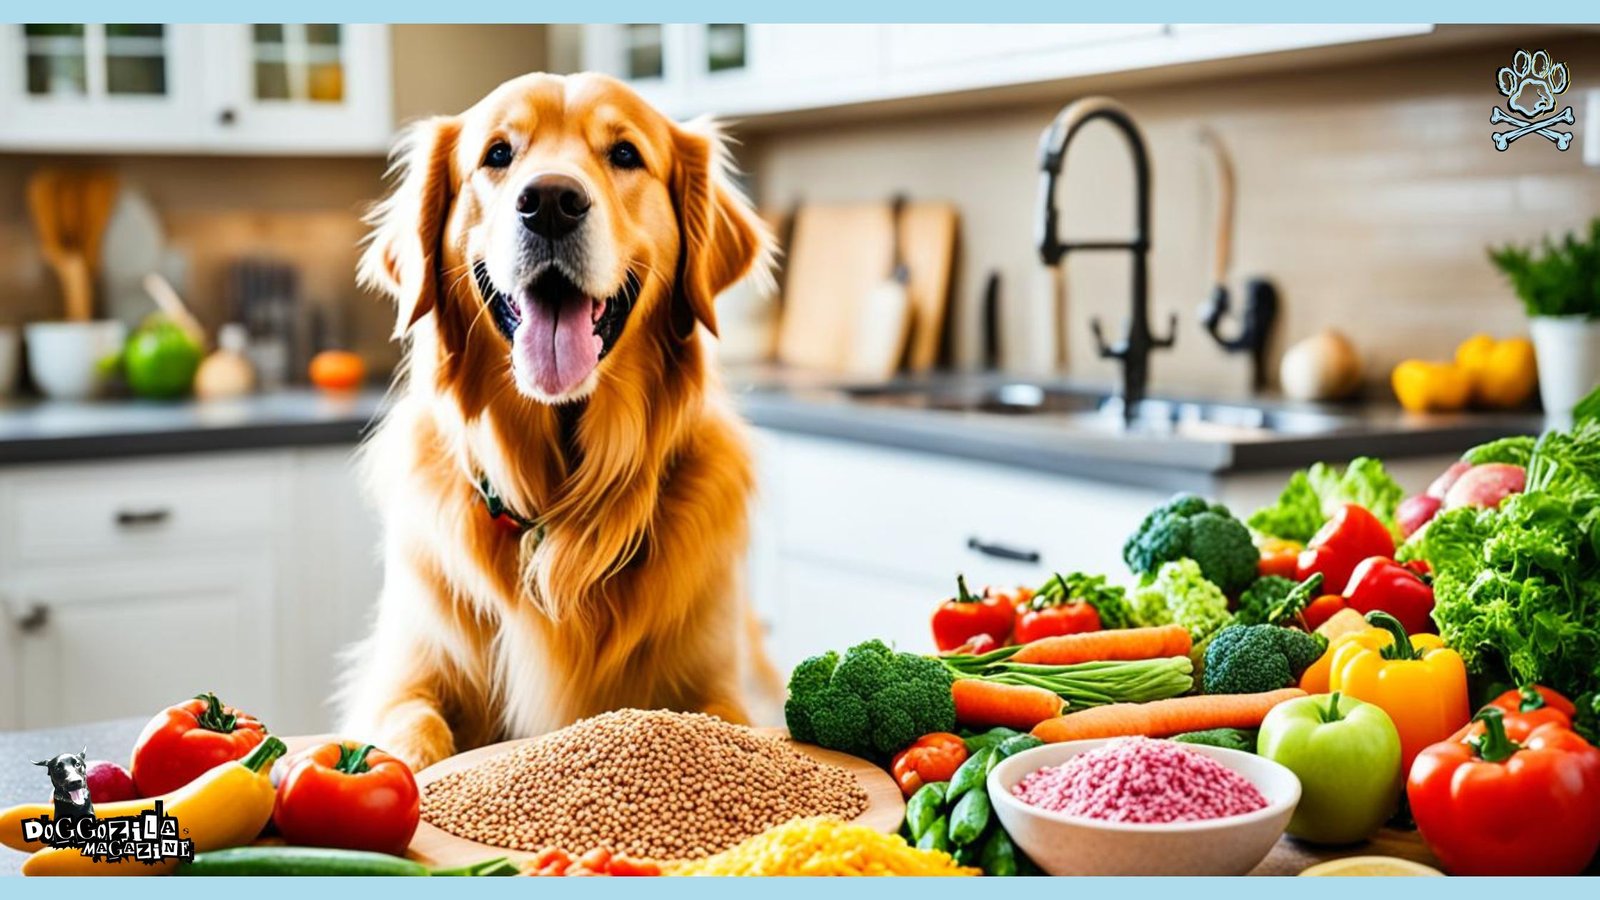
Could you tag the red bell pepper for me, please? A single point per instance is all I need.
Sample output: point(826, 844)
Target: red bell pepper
point(1352, 535)
point(1050, 616)
point(963, 617)
point(1489, 805)
point(350, 796)
point(1525, 709)
point(1379, 583)
point(188, 740)
point(932, 758)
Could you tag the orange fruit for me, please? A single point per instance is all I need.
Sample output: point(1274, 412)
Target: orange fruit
point(337, 370)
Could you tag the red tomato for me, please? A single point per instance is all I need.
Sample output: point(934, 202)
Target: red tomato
point(1051, 620)
point(185, 741)
point(932, 758)
point(964, 617)
point(1322, 609)
point(349, 796)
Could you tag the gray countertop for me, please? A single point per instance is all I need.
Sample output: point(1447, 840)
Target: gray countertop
point(1185, 455)
point(23, 782)
point(55, 431)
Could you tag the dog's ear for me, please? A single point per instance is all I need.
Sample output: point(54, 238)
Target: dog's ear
point(402, 254)
point(42, 762)
point(721, 238)
point(84, 754)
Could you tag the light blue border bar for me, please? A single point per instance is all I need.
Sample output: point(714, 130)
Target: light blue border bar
point(1379, 11)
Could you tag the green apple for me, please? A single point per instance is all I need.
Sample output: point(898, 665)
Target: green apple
point(1346, 754)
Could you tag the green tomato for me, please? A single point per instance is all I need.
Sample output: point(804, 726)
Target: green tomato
point(161, 359)
point(1346, 754)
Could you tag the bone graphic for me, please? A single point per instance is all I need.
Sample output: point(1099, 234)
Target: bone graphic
point(1503, 139)
point(1561, 138)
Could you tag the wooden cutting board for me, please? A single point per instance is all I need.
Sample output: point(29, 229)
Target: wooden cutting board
point(838, 255)
point(434, 846)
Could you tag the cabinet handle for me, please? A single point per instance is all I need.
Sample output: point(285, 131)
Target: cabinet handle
point(228, 116)
point(134, 518)
point(35, 619)
point(1001, 551)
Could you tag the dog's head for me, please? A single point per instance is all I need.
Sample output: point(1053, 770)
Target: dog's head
point(69, 776)
point(553, 221)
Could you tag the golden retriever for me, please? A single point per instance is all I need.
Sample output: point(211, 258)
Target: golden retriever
point(555, 252)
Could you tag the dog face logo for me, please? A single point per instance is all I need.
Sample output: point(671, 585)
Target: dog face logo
point(69, 779)
point(1530, 85)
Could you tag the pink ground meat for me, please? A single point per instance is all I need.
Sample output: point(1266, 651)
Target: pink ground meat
point(1141, 780)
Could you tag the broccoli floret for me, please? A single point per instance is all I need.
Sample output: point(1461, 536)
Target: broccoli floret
point(806, 684)
point(1188, 527)
point(1180, 594)
point(871, 702)
point(1249, 659)
point(1258, 600)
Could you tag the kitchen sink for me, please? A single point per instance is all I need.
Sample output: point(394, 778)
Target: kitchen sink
point(1098, 410)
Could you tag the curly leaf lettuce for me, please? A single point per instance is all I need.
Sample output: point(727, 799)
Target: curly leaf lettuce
point(1313, 495)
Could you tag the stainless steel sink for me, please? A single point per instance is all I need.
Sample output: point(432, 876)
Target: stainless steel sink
point(1098, 410)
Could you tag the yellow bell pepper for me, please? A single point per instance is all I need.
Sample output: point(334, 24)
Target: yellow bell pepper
point(1417, 680)
point(1339, 626)
point(1423, 386)
point(226, 807)
point(1503, 373)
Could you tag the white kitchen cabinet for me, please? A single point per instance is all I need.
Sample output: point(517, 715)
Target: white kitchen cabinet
point(243, 88)
point(688, 70)
point(109, 641)
point(127, 585)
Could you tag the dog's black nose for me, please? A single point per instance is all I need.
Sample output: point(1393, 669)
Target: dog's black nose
point(552, 205)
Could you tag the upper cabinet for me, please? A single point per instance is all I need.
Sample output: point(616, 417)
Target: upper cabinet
point(756, 70)
point(264, 88)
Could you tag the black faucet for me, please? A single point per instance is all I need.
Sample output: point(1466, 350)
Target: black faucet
point(1134, 349)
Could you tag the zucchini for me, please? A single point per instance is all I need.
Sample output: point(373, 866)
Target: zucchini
point(324, 861)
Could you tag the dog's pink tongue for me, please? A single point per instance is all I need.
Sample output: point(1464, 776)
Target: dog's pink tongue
point(556, 347)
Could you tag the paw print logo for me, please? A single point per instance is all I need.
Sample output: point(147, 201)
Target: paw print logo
point(1530, 85)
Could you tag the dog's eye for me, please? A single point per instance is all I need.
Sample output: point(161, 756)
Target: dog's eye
point(624, 155)
point(499, 155)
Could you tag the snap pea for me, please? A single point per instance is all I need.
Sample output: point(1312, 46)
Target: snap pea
point(969, 817)
point(923, 808)
point(999, 855)
point(989, 738)
point(1014, 745)
point(970, 775)
point(937, 837)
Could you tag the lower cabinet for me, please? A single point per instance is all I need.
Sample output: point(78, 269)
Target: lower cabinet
point(239, 573)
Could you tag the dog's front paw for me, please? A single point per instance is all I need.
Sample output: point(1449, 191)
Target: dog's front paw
point(420, 737)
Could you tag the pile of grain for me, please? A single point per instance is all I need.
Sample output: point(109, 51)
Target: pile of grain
point(647, 783)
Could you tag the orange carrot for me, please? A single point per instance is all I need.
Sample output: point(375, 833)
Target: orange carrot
point(1118, 644)
point(984, 704)
point(1164, 718)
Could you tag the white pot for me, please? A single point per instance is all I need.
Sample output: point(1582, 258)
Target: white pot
point(1568, 348)
point(10, 355)
point(64, 357)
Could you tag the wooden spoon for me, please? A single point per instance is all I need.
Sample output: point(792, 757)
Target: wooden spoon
point(70, 210)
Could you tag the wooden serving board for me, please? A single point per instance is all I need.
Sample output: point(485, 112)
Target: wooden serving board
point(433, 846)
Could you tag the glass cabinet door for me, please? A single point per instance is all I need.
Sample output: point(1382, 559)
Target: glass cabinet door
point(128, 80)
point(278, 86)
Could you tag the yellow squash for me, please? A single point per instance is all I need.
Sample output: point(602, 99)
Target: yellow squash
point(226, 807)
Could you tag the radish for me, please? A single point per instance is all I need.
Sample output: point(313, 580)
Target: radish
point(109, 782)
point(1415, 512)
point(1486, 485)
point(1441, 485)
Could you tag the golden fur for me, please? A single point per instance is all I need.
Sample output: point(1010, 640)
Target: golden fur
point(632, 597)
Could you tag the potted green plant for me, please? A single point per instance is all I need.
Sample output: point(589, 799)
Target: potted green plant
point(1559, 285)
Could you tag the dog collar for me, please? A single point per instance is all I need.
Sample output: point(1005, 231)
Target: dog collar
point(502, 515)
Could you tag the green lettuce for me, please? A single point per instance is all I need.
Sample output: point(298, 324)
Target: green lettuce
point(1313, 495)
point(1514, 450)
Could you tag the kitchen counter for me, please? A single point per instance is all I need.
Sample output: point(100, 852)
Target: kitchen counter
point(56, 431)
point(1185, 454)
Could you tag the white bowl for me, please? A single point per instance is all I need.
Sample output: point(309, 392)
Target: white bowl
point(64, 358)
point(1070, 845)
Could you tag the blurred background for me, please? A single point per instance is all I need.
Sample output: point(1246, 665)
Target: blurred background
point(1335, 186)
